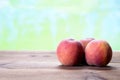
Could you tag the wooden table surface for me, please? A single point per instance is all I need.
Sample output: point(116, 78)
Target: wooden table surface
point(38, 65)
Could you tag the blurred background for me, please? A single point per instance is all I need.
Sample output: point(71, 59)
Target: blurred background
point(42, 24)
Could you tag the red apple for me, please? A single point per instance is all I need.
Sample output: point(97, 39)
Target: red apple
point(98, 53)
point(70, 52)
point(84, 42)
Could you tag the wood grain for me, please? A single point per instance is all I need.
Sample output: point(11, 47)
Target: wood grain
point(41, 65)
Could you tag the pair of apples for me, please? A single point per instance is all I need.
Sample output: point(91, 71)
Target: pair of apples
point(90, 51)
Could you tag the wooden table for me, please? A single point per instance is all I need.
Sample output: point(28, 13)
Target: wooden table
point(38, 65)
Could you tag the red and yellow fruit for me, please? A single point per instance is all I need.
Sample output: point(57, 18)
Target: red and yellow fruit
point(84, 42)
point(70, 52)
point(98, 53)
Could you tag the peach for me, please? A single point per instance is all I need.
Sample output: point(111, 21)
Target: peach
point(98, 53)
point(70, 52)
point(85, 41)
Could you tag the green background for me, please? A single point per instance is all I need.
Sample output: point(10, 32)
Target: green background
point(42, 24)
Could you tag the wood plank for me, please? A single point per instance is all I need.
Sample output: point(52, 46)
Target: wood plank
point(60, 74)
point(37, 65)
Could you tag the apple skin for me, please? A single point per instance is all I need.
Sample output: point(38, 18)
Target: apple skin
point(85, 41)
point(98, 53)
point(70, 52)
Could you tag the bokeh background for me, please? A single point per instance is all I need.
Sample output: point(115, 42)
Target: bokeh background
point(41, 24)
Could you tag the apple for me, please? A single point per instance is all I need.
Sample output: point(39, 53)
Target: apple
point(98, 53)
point(70, 52)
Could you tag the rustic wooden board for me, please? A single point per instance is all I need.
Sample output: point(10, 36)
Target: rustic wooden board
point(38, 65)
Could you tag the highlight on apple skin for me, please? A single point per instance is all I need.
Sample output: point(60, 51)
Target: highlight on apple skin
point(98, 53)
point(70, 52)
